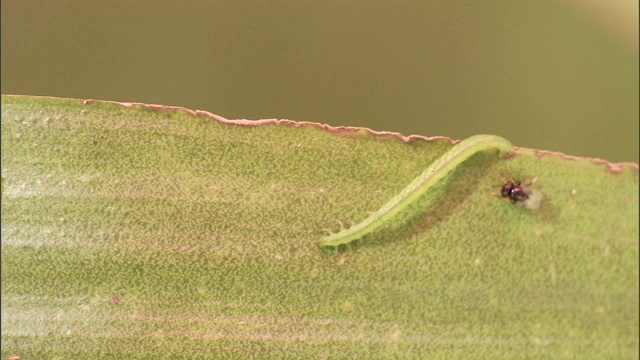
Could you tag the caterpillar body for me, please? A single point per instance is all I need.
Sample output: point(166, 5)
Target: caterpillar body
point(419, 186)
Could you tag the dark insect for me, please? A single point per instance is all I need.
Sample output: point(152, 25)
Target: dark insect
point(514, 191)
point(521, 194)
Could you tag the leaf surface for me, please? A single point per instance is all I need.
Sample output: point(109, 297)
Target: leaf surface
point(149, 232)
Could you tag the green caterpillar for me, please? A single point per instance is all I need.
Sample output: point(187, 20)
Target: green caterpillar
point(438, 169)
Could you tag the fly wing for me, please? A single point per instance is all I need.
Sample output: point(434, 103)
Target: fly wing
point(534, 200)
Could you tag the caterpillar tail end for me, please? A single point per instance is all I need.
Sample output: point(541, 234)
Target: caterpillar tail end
point(337, 239)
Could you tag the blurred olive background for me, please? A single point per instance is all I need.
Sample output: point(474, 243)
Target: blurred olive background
point(556, 75)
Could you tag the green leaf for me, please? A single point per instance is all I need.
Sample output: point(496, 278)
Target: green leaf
point(149, 232)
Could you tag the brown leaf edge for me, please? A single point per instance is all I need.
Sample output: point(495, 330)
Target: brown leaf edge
point(348, 131)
